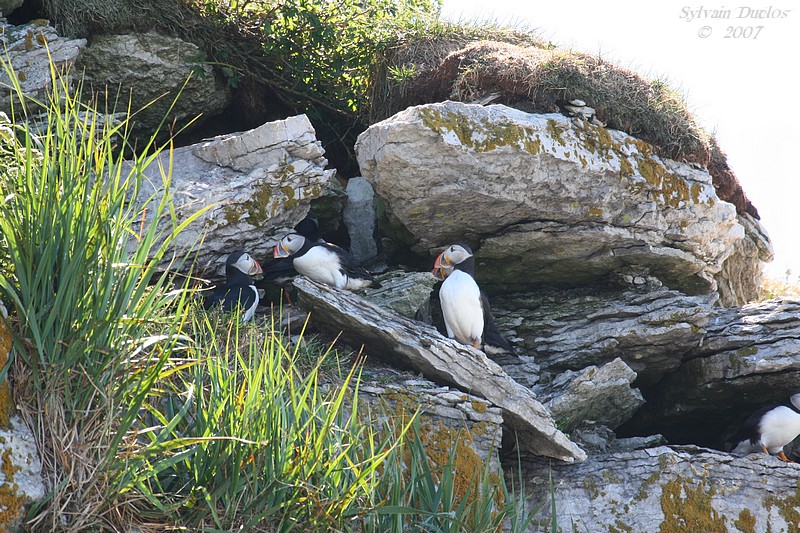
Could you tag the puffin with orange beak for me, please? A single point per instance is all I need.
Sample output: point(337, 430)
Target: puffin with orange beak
point(771, 428)
point(324, 263)
point(238, 290)
point(467, 314)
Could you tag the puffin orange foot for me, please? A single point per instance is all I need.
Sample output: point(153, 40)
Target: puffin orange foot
point(782, 457)
point(476, 345)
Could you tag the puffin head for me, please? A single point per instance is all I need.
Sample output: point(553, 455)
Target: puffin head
point(447, 260)
point(289, 245)
point(309, 227)
point(242, 262)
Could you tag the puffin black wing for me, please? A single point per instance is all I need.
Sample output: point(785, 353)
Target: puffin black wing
point(351, 269)
point(238, 296)
point(278, 271)
point(493, 341)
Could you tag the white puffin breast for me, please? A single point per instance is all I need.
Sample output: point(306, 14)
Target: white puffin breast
point(778, 428)
point(321, 265)
point(461, 307)
point(248, 314)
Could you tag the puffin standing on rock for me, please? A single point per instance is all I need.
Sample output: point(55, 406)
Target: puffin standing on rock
point(324, 263)
point(238, 290)
point(467, 314)
point(770, 429)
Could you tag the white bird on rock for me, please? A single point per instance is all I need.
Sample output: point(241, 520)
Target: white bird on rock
point(770, 429)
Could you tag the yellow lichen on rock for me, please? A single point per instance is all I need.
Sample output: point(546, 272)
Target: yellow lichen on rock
point(689, 508)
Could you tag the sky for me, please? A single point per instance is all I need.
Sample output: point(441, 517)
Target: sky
point(732, 61)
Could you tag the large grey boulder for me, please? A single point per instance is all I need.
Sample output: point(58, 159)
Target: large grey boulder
point(411, 344)
point(543, 199)
point(592, 396)
point(28, 47)
point(151, 70)
point(256, 186)
point(667, 489)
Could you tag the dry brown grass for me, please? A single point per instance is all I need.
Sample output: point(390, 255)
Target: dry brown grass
point(527, 74)
point(775, 288)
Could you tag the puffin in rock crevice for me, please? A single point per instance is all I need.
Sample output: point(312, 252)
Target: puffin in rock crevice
point(466, 310)
point(280, 270)
point(239, 290)
point(770, 429)
point(324, 263)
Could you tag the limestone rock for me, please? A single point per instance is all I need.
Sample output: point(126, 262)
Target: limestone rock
point(740, 277)
point(750, 357)
point(402, 292)
point(447, 416)
point(667, 489)
point(412, 344)
point(652, 331)
point(599, 395)
point(7, 6)
point(359, 217)
point(27, 47)
point(21, 480)
point(542, 200)
point(143, 67)
point(258, 183)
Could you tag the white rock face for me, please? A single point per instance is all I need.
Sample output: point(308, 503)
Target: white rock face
point(542, 199)
point(258, 184)
point(27, 47)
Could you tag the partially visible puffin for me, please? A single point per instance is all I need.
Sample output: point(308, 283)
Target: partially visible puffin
point(467, 313)
point(281, 270)
point(324, 263)
point(770, 429)
point(238, 290)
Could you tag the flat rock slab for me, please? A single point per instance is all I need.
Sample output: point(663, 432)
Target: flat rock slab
point(684, 488)
point(411, 344)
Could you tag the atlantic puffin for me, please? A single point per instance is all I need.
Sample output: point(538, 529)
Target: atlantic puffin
point(467, 313)
point(324, 263)
point(281, 270)
point(770, 429)
point(239, 290)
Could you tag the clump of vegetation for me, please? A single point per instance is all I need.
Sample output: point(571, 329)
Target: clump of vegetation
point(777, 288)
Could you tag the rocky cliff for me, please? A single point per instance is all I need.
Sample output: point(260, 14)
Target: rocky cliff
point(620, 276)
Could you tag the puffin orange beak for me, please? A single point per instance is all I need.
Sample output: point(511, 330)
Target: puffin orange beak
point(439, 270)
point(280, 251)
point(255, 269)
